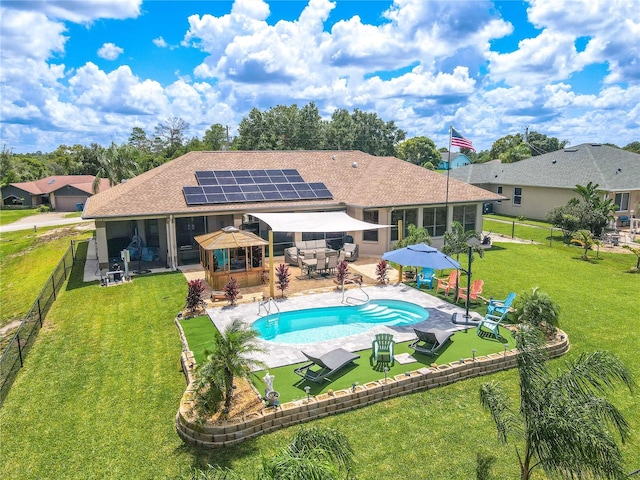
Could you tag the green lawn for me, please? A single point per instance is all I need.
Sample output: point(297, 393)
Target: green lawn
point(10, 216)
point(527, 230)
point(101, 386)
point(27, 260)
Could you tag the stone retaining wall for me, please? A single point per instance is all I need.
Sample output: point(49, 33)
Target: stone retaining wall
point(236, 430)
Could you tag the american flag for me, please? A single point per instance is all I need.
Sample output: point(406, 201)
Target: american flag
point(458, 140)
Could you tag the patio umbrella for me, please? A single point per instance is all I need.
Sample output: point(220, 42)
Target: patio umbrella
point(421, 255)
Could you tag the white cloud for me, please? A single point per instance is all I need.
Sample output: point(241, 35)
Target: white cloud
point(160, 42)
point(82, 11)
point(110, 51)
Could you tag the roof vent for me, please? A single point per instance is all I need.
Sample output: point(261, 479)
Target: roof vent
point(573, 149)
point(230, 229)
point(51, 181)
point(333, 158)
point(354, 164)
point(554, 161)
point(596, 144)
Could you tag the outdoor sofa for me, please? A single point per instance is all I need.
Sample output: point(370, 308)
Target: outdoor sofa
point(307, 249)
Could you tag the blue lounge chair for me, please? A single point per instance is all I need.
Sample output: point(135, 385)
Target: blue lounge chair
point(426, 277)
point(501, 307)
point(491, 323)
point(328, 364)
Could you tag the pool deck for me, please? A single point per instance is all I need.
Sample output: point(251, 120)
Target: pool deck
point(280, 354)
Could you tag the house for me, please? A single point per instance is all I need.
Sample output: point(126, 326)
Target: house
point(536, 185)
point(63, 193)
point(202, 192)
point(458, 160)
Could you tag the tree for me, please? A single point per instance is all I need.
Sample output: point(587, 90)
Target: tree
point(314, 453)
point(170, 135)
point(340, 131)
point(457, 241)
point(7, 171)
point(116, 164)
point(636, 252)
point(419, 151)
point(632, 147)
point(230, 358)
point(503, 145)
point(138, 139)
point(563, 424)
point(195, 289)
point(586, 240)
point(538, 310)
point(540, 143)
point(215, 137)
point(414, 236)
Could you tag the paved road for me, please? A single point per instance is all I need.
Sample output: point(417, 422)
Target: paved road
point(50, 219)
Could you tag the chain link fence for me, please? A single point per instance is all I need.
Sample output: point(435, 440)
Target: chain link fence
point(13, 357)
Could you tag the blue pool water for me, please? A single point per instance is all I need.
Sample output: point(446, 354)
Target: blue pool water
point(328, 323)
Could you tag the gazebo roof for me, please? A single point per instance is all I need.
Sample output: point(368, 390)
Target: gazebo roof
point(229, 237)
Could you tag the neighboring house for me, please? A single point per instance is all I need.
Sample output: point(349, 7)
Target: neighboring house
point(457, 160)
point(536, 185)
point(168, 206)
point(63, 193)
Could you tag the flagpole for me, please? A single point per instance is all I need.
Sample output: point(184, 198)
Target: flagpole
point(446, 200)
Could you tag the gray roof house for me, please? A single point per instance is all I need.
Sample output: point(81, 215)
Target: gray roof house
point(202, 192)
point(536, 185)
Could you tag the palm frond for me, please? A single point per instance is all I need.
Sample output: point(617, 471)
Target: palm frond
point(493, 399)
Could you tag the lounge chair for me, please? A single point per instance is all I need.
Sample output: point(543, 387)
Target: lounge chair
point(426, 277)
point(351, 251)
point(501, 307)
point(476, 289)
point(429, 342)
point(491, 323)
point(328, 364)
point(449, 283)
point(382, 349)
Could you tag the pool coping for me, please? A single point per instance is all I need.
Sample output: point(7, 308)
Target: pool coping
point(281, 354)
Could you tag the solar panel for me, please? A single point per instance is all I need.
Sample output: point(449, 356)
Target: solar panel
point(238, 186)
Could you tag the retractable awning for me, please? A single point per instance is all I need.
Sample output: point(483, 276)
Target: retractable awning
point(309, 222)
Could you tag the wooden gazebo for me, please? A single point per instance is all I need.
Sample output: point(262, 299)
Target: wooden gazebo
point(231, 252)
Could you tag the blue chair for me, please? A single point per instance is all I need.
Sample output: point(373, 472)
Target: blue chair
point(492, 323)
point(426, 277)
point(382, 349)
point(501, 307)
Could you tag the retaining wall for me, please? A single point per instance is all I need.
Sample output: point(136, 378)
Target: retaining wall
point(236, 430)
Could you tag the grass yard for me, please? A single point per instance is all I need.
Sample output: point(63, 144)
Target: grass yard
point(531, 230)
point(27, 260)
point(100, 388)
point(8, 216)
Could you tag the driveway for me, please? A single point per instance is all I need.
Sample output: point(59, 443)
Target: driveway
point(49, 219)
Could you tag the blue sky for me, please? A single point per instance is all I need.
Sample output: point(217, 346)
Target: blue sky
point(93, 70)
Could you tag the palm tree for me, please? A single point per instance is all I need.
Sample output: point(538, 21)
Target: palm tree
point(563, 424)
point(314, 453)
point(538, 310)
point(585, 239)
point(115, 164)
point(231, 357)
point(636, 252)
point(414, 236)
point(457, 241)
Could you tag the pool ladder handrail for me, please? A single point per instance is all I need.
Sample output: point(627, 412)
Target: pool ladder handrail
point(266, 304)
point(346, 300)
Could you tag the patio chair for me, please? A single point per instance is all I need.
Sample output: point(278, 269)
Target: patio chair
point(382, 349)
point(501, 307)
point(328, 364)
point(491, 323)
point(351, 251)
point(332, 263)
point(449, 283)
point(426, 277)
point(429, 342)
point(476, 289)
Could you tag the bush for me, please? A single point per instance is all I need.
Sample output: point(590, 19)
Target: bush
point(194, 294)
point(44, 208)
point(538, 310)
point(231, 291)
point(381, 271)
point(282, 277)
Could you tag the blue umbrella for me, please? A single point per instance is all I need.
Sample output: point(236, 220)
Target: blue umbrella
point(421, 255)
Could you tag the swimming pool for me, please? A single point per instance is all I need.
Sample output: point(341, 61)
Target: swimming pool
point(329, 323)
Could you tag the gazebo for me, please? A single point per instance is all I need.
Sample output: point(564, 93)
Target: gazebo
point(231, 252)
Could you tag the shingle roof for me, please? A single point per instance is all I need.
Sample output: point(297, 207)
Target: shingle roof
point(354, 178)
point(56, 182)
point(613, 169)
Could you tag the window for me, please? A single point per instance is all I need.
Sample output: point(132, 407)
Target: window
point(465, 215)
point(186, 229)
point(409, 216)
point(517, 196)
point(622, 202)
point(434, 220)
point(370, 216)
point(499, 190)
point(152, 232)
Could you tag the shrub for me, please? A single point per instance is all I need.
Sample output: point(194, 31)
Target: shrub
point(282, 277)
point(381, 271)
point(44, 208)
point(231, 291)
point(342, 271)
point(538, 310)
point(194, 294)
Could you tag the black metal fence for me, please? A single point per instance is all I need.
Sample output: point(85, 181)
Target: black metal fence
point(13, 357)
